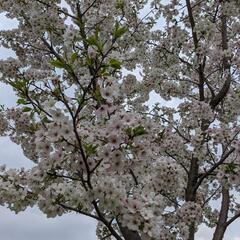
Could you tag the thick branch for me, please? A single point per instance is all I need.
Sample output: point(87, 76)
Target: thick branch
point(107, 223)
point(190, 194)
point(195, 41)
point(221, 224)
point(128, 234)
point(226, 66)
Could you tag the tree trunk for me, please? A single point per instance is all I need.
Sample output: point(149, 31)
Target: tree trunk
point(129, 234)
point(190, 194)
point(223, 215)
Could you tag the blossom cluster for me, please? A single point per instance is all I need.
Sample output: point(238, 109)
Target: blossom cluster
point(84, 72)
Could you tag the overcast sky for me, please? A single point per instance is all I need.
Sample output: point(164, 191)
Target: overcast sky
point(32, 224)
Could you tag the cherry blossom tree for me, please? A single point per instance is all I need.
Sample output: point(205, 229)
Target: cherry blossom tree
point(83, 73)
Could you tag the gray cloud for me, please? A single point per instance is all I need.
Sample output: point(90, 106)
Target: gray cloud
point(32, 224)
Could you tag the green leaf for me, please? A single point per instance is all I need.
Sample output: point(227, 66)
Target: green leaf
point(139, 130)
point(161, 134)
point(230, 168)
point(114, 63)
point(58, 64)
point(90, 149)
point(19, 84)
point(32, 114)
point(57, 91)
point(89, 61)
point(74, 57)
point(22, 101)
point(97, 95)
point(120, 5)
point(45, 120)
point(93, 40)
point(27, 109)
point(119, 31)
point(129, 131)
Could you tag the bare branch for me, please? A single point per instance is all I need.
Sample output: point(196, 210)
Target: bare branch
point(231, 220)
point(78, 211)
point(207, 173)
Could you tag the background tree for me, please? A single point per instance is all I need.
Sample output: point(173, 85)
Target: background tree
point(83, 73)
